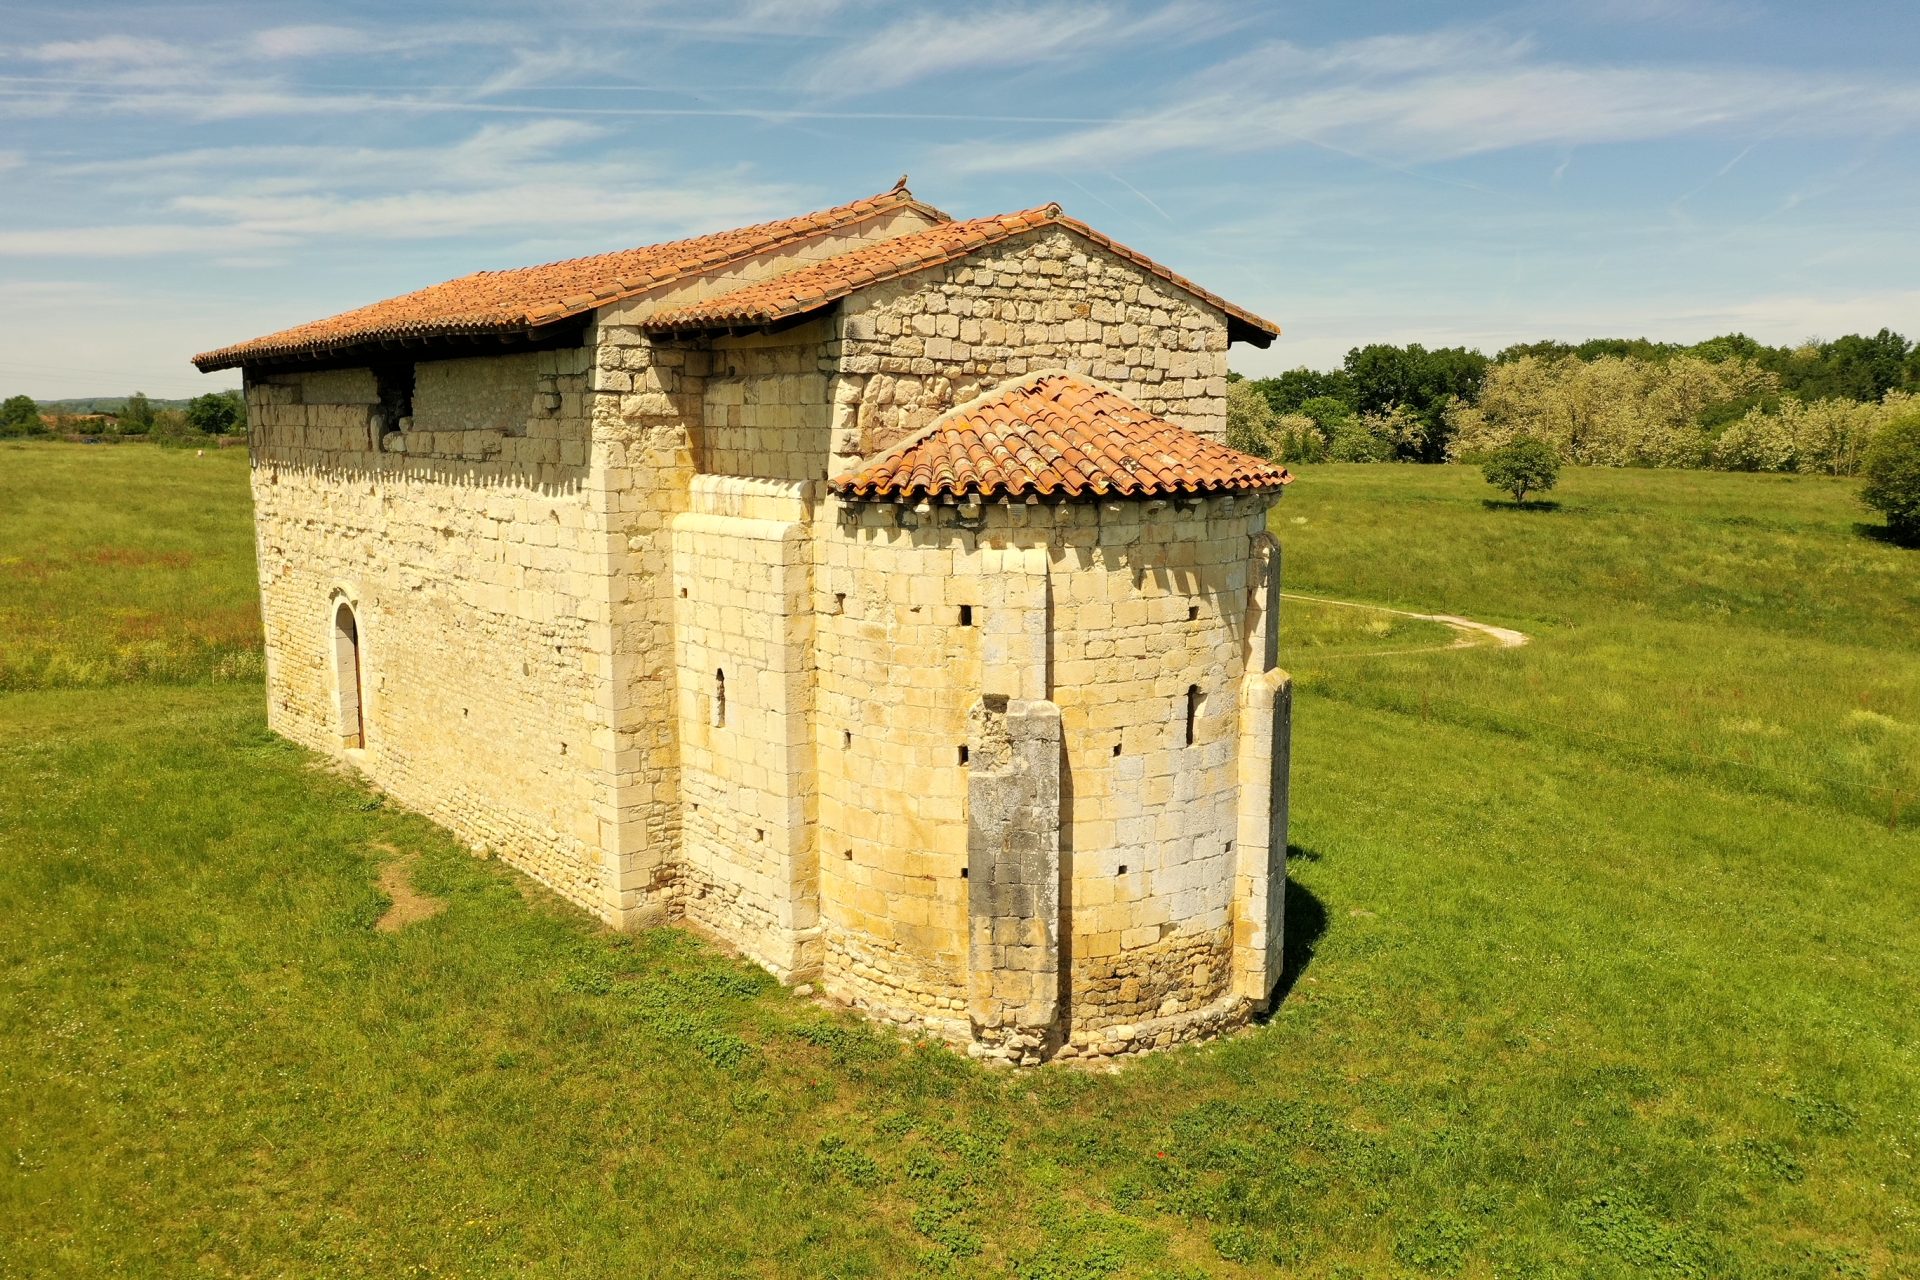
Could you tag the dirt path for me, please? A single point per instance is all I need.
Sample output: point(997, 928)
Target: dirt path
point(1469, 634)
point(410, 906)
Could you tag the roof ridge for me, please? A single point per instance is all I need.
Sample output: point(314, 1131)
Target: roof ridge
point(754, 304)
point(519, 298)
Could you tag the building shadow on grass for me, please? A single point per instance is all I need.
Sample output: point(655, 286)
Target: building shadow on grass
point(1885, 533)
point(1505, 504)
point(1306, 923)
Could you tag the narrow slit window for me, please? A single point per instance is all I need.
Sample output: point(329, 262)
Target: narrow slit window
point(720, 699)
point(1193, 613)
point(1194, 702)
point(966, 615)
point(963, 755)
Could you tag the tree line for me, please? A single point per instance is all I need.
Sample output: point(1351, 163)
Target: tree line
point(217, 413)
point(1729, 402)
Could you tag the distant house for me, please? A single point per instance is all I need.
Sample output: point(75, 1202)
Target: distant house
point(869, 589)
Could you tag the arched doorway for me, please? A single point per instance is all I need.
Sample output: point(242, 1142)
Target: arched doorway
point(346, 670)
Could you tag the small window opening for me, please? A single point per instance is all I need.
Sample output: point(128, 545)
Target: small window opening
point(1228, 848)
point(720, 701)
point(759, 835)
point(963, 755)
point(1194, 701)
point(966, 615)
point(846, 737)
point(1193, 611)
point(683, 593)
point(1116, 747)
point(346, 659)
point(839, 602)
point(963, 873)
point(1123, 868)
point(847, 854)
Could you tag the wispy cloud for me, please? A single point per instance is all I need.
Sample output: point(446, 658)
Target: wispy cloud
point(540, 177)
point(944, 40)
point(1416, 100)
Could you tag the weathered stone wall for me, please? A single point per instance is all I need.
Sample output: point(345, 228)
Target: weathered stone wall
point(1150, 615)
point(743, 568)
point(766, 405)
point(1145, 610)
point(913, 348)
point(897, 672)
point(467, 560)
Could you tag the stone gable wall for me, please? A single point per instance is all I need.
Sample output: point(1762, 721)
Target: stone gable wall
point(913, 348)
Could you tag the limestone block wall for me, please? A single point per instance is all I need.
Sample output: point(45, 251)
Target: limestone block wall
point(647, 413)
point(899, 666)
point(766, 407)
point(467, 555)
point(1152, 605)
point(743, 570)
point(913, 348)
point(1152, 622)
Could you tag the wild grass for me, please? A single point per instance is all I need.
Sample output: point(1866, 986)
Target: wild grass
point(125, 563)
point(1742, 627)
point(1559, 1005)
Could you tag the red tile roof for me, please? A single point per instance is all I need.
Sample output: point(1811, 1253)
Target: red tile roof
point(1056, 435)
point(812, 287)
point(524, 299)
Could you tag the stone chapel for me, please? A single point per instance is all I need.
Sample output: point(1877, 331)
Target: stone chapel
point(871, 590)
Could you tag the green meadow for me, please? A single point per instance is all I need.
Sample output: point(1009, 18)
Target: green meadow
point(1604, 957)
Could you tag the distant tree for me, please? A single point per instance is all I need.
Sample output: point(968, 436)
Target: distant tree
point(1326, 411)
point(136, 417)
point(1546, 349)
point(1249, 420)
point(1728, 346)
point(1425, 383)
point(217, 413)
point(20, 416)
point(1892, 469)
point(1292, 389)
point(1521, 466)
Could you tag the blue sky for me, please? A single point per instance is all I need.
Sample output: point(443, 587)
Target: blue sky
point(180, 177)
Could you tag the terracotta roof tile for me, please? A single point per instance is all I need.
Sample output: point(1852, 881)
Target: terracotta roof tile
point(813, 287)
point(526, 298)
point(1056, 435)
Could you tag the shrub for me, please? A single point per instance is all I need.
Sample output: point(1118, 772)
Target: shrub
point(1521, 466)
point(1892, 469)
point(1298, 438)
point(1249, 420)
point(20, 416)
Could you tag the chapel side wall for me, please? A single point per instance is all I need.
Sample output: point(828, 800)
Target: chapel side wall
point(912, 348)
point(467, 558)
point(897, 674)
point(1150, 599)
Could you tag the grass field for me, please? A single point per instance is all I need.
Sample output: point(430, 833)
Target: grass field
point(1603, 950)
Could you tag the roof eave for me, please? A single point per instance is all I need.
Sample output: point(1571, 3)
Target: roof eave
point(465, 337)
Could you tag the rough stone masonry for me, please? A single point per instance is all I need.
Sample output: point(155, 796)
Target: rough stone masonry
point(867, 589)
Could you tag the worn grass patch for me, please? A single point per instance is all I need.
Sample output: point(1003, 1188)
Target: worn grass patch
point(1561, 1005)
